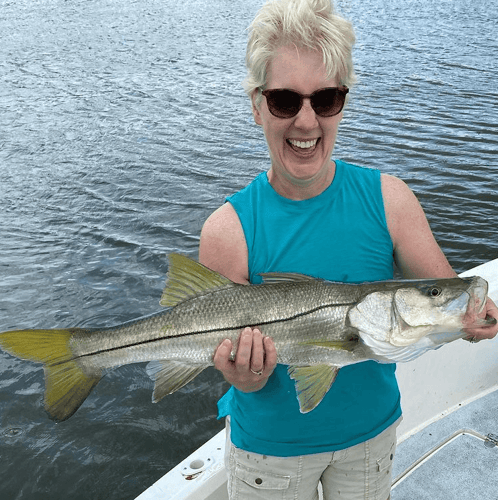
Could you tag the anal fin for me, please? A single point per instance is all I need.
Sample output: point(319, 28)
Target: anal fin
point(312, 383)
point(169, 376)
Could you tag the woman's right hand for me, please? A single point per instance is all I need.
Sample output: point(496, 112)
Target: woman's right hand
point(254, 361)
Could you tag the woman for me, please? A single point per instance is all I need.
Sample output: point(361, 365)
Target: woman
point(323, 218)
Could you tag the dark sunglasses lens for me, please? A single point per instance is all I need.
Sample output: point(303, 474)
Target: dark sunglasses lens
point(283, 103)
point(328, 102)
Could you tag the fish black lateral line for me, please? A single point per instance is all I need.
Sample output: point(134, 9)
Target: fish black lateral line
point(317, 327)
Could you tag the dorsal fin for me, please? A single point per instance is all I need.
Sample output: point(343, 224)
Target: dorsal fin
point(187, 278)
point(285, 277)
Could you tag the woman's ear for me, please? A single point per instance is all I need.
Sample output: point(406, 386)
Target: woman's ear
point(255, 108)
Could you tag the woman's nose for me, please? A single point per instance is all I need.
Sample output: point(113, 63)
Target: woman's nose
point(306, 118)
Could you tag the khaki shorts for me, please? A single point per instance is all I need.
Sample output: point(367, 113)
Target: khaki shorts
point(362, 472)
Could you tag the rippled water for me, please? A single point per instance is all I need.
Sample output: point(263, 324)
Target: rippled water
point(124, 124)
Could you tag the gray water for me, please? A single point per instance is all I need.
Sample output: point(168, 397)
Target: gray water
point(123, 125)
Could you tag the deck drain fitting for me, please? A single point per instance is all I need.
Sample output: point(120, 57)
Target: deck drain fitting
point(195, 467)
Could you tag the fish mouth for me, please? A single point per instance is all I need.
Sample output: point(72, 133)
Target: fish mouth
point(476, 297)
point(481, 294)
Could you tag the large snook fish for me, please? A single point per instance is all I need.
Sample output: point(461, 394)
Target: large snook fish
point(317, 327)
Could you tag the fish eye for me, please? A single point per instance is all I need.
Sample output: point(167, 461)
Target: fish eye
point(434, 291)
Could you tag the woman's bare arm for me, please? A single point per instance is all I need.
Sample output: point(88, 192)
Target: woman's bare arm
point(223, 248)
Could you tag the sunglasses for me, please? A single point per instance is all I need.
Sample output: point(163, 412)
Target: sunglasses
point(285, 103)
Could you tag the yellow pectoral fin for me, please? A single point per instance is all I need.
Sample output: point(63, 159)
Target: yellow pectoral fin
point(312, 383)
point(336, 345)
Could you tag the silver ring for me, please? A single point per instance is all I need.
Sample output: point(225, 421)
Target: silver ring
point(257, 373)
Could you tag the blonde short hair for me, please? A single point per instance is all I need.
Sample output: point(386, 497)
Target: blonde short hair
point(310, 24)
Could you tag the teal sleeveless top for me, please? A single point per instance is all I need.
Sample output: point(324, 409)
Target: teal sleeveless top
point(339, 235)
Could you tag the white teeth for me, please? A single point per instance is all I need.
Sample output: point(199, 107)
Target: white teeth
point(303, 144)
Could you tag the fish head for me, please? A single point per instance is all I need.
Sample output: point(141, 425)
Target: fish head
point(436, 308)
point(404, 319)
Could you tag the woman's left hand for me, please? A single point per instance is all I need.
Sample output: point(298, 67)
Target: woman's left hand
point(476, 334)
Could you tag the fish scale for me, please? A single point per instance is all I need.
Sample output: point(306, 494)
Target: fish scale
point(194, 328)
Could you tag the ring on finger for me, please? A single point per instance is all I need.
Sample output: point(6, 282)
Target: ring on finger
point(259, 372)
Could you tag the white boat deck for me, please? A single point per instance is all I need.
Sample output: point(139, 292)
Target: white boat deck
point(464, 468)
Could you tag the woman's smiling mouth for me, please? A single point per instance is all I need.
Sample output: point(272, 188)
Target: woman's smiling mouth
point(303, 146)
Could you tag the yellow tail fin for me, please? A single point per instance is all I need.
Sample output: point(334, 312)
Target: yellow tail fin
point(66, 384)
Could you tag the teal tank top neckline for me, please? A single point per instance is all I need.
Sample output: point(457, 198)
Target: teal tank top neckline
point(328, 191)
